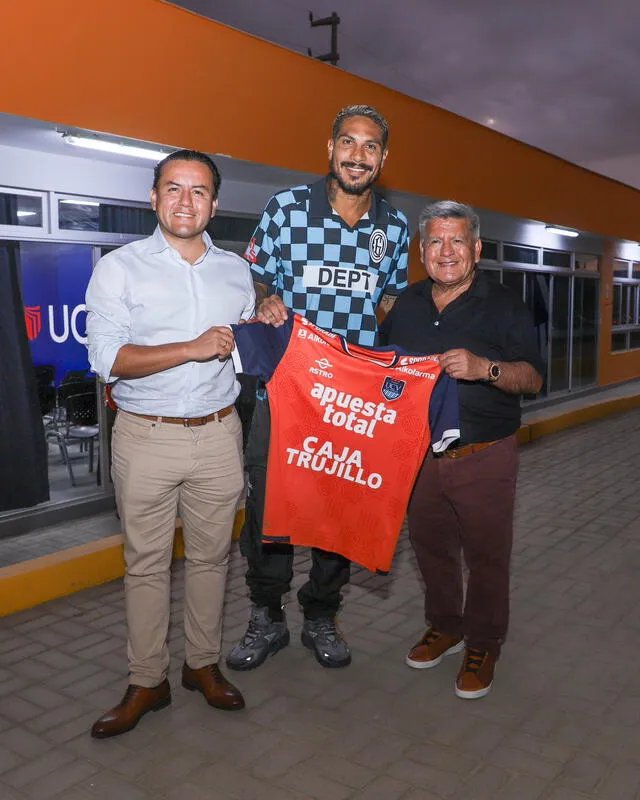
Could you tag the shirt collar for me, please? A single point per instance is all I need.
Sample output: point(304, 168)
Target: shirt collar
point(157, 242)
point(320, 207)
point(479, 287)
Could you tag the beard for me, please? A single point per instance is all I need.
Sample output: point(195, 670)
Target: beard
point(351, 188)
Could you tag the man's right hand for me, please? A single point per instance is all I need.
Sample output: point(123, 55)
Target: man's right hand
point(217, 341)
point(272, 311)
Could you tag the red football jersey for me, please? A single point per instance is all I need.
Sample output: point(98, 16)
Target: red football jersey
point(350, 427)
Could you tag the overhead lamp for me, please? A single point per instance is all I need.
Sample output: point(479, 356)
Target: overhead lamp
point(81, 202)
point(94, 143)
point(562, 231)
point(26, 213)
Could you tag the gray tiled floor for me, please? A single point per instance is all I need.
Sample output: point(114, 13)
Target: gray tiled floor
point(562, 723)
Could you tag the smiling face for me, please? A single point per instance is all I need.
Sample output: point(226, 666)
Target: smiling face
point(450, 253)
point(184, 199)
point(356, 155)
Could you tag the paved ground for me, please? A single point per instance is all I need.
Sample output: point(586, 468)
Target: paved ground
point(562, 723)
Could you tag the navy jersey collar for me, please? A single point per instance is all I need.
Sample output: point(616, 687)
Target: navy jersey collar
point(320, 207)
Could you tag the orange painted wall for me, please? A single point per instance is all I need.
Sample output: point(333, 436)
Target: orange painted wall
point(148, 70)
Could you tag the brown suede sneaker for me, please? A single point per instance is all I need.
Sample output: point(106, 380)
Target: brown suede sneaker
point(428, 652)
point(476, 674)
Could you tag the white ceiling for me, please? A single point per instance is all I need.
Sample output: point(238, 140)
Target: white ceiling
point(558, 74)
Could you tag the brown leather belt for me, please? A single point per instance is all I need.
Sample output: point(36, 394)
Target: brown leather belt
point(466, 450)
point(188, 422)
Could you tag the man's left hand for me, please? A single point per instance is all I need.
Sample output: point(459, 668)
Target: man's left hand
point(465, 366)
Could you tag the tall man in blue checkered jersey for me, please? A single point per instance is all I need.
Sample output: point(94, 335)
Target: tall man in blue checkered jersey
point(332, 251)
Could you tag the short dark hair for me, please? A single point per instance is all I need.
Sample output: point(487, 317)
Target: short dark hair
point(189, 155)
point(362, 111)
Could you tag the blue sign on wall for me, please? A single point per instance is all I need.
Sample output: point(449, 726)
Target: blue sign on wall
point(54, 282)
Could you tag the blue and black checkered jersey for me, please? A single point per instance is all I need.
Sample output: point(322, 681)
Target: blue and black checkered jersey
point(332, 274)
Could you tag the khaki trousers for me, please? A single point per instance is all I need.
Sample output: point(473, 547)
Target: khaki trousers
point(158, 468)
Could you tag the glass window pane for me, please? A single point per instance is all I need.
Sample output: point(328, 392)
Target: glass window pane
point(585, 332)
point(619, 304)
point(54, 279)
point(91, 215)
point(634, 339)
point(537, 299)
point(560, 334)
point(20, 209)
point(556, 258)
point(635, 270)
point(226, 228)
point(514, 280)
point(586, 261)
point(520, 254)
point(489, 250)
point(620, 268)
point(619, 341)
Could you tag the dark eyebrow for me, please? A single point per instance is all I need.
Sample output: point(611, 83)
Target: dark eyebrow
point(198, 186)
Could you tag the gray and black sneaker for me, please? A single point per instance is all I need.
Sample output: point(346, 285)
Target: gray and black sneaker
point(263, 637)
point(323, 636)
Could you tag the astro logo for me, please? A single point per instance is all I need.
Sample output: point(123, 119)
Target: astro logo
point(33, 321)
point(61, 323)
point(322, 368)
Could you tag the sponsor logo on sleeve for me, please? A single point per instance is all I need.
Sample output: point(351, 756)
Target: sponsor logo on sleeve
point(378, 245)
point(252, 251)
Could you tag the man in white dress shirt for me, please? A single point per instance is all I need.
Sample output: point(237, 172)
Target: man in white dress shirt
point(158, 311)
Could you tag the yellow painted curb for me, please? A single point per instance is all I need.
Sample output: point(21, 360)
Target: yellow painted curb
point(579, 416)
point(48, 577)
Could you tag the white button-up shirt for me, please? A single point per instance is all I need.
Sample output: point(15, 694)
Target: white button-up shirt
point(145, 293)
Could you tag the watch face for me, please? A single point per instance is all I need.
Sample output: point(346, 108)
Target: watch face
point(494, 372)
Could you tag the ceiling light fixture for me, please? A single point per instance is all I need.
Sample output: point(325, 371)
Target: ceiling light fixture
point(562, 231)
point(93, 143)
point(81, 202)
point(26, 213)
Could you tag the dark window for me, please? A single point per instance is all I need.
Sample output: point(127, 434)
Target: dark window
point(489, 250)
point(620, 268)
point(519, 254)
point(619, 341)
point(20, 209)
point(90, 215)
point(634, 338)
point(225, 228)
point(556, 258)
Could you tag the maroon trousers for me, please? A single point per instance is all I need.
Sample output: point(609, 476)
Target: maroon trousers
point(464, 507)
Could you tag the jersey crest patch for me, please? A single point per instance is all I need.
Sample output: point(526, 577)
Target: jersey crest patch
point(378, 245)
point(392, 389)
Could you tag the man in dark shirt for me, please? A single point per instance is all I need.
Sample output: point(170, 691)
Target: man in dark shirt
point(464, 498)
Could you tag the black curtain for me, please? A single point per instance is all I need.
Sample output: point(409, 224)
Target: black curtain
point(127, 219)
point(8, 209)
point(23, 452)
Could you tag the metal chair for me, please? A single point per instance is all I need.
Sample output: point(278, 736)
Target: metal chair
point(80, 424)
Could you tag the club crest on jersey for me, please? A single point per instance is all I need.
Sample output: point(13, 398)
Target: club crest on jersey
point(378, 245)
point(392, 389)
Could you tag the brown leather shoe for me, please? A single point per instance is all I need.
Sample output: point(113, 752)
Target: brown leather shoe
point(217, 690)
point(134, 705)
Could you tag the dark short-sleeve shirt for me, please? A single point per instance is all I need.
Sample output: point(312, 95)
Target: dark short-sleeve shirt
point(490, 321)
